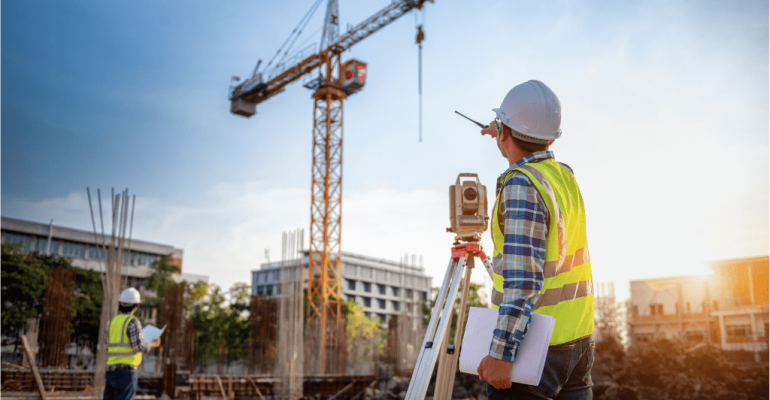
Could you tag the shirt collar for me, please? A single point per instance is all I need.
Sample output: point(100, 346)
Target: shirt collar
point(538, 155)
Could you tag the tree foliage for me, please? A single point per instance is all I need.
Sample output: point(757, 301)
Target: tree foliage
point(474, 300)
point(24, 280)
point(221, 316)
point(358, 325)
point(23, 283)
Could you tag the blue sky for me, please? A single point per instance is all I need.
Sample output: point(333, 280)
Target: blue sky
point(665, 120)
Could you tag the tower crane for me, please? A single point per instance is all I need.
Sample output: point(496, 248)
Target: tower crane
point(335, 82)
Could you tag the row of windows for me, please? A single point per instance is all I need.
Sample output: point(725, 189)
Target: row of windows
point(383, 289)
point(75, 249)
point(382, 275)
point(657, 308)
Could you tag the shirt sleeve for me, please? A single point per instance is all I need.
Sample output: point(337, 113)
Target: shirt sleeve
point(136, 337)
point(524, 245)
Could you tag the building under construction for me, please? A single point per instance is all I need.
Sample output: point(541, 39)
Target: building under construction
point(384, 288)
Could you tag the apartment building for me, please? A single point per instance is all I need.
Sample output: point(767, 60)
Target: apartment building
point(728, 308)
point(382, 287)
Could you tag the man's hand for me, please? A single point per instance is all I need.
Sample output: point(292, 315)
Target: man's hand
point(491, 129)
point(496, 372)
point(155, 343)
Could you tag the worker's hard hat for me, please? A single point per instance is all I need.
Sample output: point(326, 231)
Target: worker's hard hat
point(532, 111)
point(129, 296)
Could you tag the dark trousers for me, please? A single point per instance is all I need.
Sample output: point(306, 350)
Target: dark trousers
point(121, 384)
point(566, 376)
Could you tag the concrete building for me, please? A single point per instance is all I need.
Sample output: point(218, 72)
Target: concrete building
point(728, 308)
point(382, 287)
point(80, 248)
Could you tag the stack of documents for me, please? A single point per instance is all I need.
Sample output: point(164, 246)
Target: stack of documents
point(530, 360)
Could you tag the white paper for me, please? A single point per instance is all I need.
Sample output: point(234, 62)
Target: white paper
point(527, 368)
point(151, 333)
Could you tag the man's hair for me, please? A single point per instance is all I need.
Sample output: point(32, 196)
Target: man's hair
point(527, 147)
point(126, 308)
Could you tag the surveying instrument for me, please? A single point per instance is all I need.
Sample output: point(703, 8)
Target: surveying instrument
point(468, 217)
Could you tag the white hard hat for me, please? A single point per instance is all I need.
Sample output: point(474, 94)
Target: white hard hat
point(129, 296)
point(532, 111)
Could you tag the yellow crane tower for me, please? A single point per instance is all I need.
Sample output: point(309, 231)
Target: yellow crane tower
point(335, 82)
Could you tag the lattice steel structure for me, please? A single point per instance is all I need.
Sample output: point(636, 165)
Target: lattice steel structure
point(324, 309)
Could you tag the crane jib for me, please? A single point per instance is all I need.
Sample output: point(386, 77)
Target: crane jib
point(254, 92)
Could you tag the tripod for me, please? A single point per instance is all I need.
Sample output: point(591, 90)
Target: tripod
point(437, 336)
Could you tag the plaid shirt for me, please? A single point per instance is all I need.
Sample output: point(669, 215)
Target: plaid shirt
point(135, 336)
point(525, 226)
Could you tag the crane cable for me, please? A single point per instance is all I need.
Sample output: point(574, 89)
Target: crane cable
point(294, 34)
point(420, 37)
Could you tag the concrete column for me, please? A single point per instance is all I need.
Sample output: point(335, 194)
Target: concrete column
point(753, 327)
point(723, 331)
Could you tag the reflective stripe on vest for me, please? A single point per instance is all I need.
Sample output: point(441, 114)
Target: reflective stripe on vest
point(119, 348)
point(567, 293)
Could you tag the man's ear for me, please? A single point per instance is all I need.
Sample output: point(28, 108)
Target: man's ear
point(551, 142)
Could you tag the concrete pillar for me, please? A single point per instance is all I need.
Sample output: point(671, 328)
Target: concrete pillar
point(754, 334)
point(723, 331)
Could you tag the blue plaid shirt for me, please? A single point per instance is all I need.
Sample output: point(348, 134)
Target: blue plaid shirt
point(525, 226)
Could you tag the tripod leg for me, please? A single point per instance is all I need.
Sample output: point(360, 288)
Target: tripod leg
point(430, 332)
point(418, 386)
point(447, 367)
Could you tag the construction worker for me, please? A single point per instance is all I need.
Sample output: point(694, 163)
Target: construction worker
point(541, 261)
point(125, 345)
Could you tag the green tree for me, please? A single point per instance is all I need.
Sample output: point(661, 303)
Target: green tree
point(160, 279)
point(23, 283)
point(358, 325)
point(222, 316)
point(87, 302)
point(24, 279)
point(474, 300)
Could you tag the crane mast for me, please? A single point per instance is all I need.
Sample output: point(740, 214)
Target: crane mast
point(325, 324)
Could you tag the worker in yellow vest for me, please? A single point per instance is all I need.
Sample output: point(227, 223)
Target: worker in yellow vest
point(541, 262)
point(125, 345)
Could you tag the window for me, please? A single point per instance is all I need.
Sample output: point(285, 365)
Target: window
point(380, 289)
point(395, 291)
point(351, 284)
point(424, 296)
point(93, 251)
point(367, 287)
point(656, 309)
point(26, 241)
point(269, 290)
point(382, 317)
point(395, 305)
point(367, 301)
point(128, 257)
point(408, 307)
point(381, 304)
point(41, 244)
point(72, 249)
point(738, 333)
point(260, 290)
point(146, 259)
point(409, 294)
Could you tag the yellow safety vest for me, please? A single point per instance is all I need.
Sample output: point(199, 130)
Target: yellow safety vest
point(119, 348)
point(567, 293)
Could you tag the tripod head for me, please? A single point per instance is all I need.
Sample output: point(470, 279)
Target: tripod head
point(468, 208)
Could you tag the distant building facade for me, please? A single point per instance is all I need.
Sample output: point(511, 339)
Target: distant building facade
point(384, 288)
point(728, 308)
point(81, 249)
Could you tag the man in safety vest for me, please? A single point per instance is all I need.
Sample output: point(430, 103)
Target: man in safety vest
point(125, 345)
point(541, 261)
